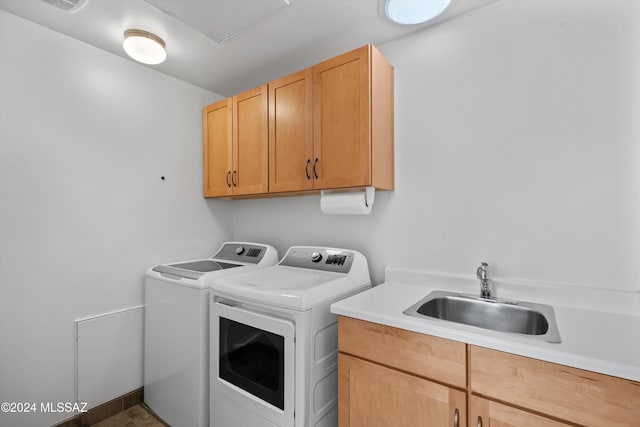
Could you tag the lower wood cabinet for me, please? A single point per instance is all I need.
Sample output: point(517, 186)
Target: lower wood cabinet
point(389, 377)
point(373, 395)
point(575, 395)
point(487, 413)
point(438, 359)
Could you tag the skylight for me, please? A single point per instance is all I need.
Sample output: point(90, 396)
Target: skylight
point(410, 12)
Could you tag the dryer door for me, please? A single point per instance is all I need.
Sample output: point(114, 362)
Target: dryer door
point(252, 361)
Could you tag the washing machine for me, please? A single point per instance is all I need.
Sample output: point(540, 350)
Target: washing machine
point(274, 341)
point(176, 331)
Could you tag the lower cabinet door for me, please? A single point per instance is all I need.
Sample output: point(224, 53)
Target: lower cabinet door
point(371, 395)
point(486, 413)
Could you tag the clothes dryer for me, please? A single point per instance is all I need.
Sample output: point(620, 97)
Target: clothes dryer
point(274, 342)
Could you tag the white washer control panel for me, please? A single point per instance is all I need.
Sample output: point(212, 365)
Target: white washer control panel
point(242, 252)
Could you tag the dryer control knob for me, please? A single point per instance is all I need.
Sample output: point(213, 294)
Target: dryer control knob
point(239, 250)
point(316, 257)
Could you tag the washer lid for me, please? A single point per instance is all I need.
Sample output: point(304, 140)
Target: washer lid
point(194, 269)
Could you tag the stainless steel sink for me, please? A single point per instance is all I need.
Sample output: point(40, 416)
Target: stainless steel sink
point(516, 317)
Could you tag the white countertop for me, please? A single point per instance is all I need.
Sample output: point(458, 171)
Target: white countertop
point(600, 333)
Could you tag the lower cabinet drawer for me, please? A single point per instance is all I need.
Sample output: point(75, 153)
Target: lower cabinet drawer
point(577, 396)
point(486, 413)
point(427, 356)
point(371, 395)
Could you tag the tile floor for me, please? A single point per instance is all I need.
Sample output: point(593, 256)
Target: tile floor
point(136, 416)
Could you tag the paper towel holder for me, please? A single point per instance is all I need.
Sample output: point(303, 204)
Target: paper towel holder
point(369, 196)
point(341, 200)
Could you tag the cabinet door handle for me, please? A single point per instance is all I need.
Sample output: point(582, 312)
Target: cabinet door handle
point(233, 178)
point(228, 176)
point(306, 168)
point(479, 421)
point(456, 415)
point(315, 162)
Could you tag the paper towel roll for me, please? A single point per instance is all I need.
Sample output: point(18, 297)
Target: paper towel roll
point(347, 203)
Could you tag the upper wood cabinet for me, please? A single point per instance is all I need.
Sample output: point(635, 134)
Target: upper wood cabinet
point(218, 148)
point(250, 142)
point(353, 121)
point(236, 145)
point(291, 133)
point(326, 127)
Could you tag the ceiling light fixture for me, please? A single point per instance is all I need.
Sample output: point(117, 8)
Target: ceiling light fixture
point(411, 12)
point(144, 47)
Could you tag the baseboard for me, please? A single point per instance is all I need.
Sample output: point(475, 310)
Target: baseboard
point(104, 411)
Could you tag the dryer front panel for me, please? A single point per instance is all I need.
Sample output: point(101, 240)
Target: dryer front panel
point(253, 361)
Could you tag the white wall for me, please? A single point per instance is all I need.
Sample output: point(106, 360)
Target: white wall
point(516, 143)
point(84, 138)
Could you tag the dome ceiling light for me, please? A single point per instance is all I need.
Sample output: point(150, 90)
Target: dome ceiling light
point(411, 12)
point(144, 47)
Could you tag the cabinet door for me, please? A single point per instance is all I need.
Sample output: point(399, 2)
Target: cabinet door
point(371, 395)
point(341, 98)
point(291, 133)
point(577, 396)
point(250, 173)
point(218, 158)
point(486, 413)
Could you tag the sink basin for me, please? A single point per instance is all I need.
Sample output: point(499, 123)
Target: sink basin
point(516, 317)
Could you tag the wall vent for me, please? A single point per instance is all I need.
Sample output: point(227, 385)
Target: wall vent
point(69, 6)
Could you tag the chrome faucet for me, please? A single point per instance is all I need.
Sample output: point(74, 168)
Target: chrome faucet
point(485, 280)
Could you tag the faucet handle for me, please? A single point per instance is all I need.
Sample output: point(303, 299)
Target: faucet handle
point(483, 271)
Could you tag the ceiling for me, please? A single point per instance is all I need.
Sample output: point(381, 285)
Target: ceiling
point(228, 46)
